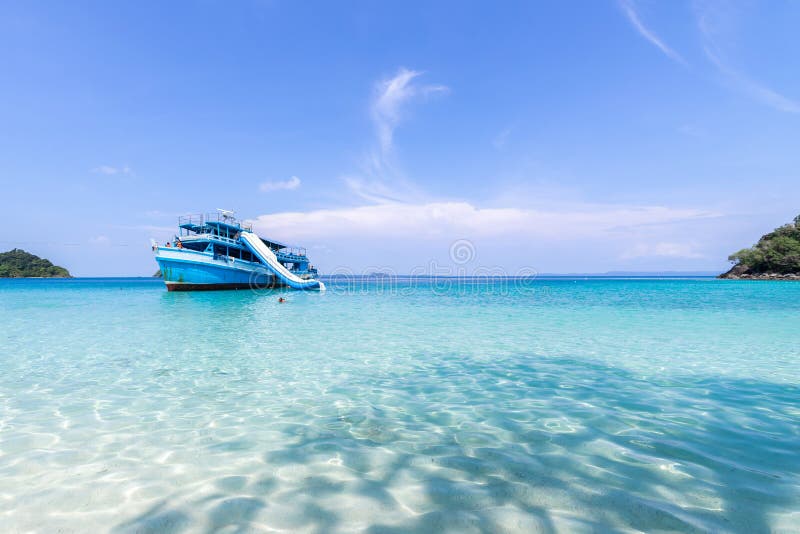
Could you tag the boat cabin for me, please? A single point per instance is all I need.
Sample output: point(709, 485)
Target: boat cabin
point(218, 234)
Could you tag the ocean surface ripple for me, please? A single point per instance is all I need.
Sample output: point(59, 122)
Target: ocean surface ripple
point(541, 406)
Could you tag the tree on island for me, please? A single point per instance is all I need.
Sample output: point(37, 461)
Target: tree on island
point(776, 254)
point(20, 264)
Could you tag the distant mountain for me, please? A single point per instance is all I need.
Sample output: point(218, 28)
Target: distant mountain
point(20, 264)
point(775, 256)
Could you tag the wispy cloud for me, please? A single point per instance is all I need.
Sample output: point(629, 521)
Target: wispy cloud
point(284, 185)
point(629, 9)
point(378, 191)
point(711, 18)
point(714, 20)
point(109, 170)
point(756, 90)
point(388, 100)
point(378, 177)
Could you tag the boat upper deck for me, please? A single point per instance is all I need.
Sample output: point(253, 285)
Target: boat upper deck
point(222, 219)
point(224, 228)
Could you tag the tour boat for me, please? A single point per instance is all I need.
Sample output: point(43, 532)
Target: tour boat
point(217, 251)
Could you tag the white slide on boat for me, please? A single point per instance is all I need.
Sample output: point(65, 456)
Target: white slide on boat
point(268, 258)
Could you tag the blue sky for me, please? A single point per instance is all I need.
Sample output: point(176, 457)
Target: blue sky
point(555, 136)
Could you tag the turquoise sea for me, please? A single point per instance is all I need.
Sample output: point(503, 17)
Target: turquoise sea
point(547, 405)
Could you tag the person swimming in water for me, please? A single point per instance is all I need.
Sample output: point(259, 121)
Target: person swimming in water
point(281, 300)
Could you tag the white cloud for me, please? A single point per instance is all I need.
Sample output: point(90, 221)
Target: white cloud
point(108, 170)
point(628, 8)
point(461, 219)
point(390, 95)
point(663, 250)
point(285, 185)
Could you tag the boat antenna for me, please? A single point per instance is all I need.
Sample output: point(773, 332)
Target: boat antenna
point(226, 214)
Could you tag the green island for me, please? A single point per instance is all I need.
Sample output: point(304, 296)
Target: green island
point(17, 263)
point(776, 256)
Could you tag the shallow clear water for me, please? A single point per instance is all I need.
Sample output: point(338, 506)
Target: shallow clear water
point(549, 405)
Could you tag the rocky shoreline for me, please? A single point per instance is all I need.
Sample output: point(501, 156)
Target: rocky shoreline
point(740, 272)
point(764, 276)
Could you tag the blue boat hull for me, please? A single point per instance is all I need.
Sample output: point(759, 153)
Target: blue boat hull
point(182, 275)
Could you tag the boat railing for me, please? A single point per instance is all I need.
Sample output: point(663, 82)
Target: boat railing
point(200, 219)
point(210, 237)
point(286, 252)
point(299, 252)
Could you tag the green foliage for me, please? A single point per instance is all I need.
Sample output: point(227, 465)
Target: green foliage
point(20, 264)
point(776, 252)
